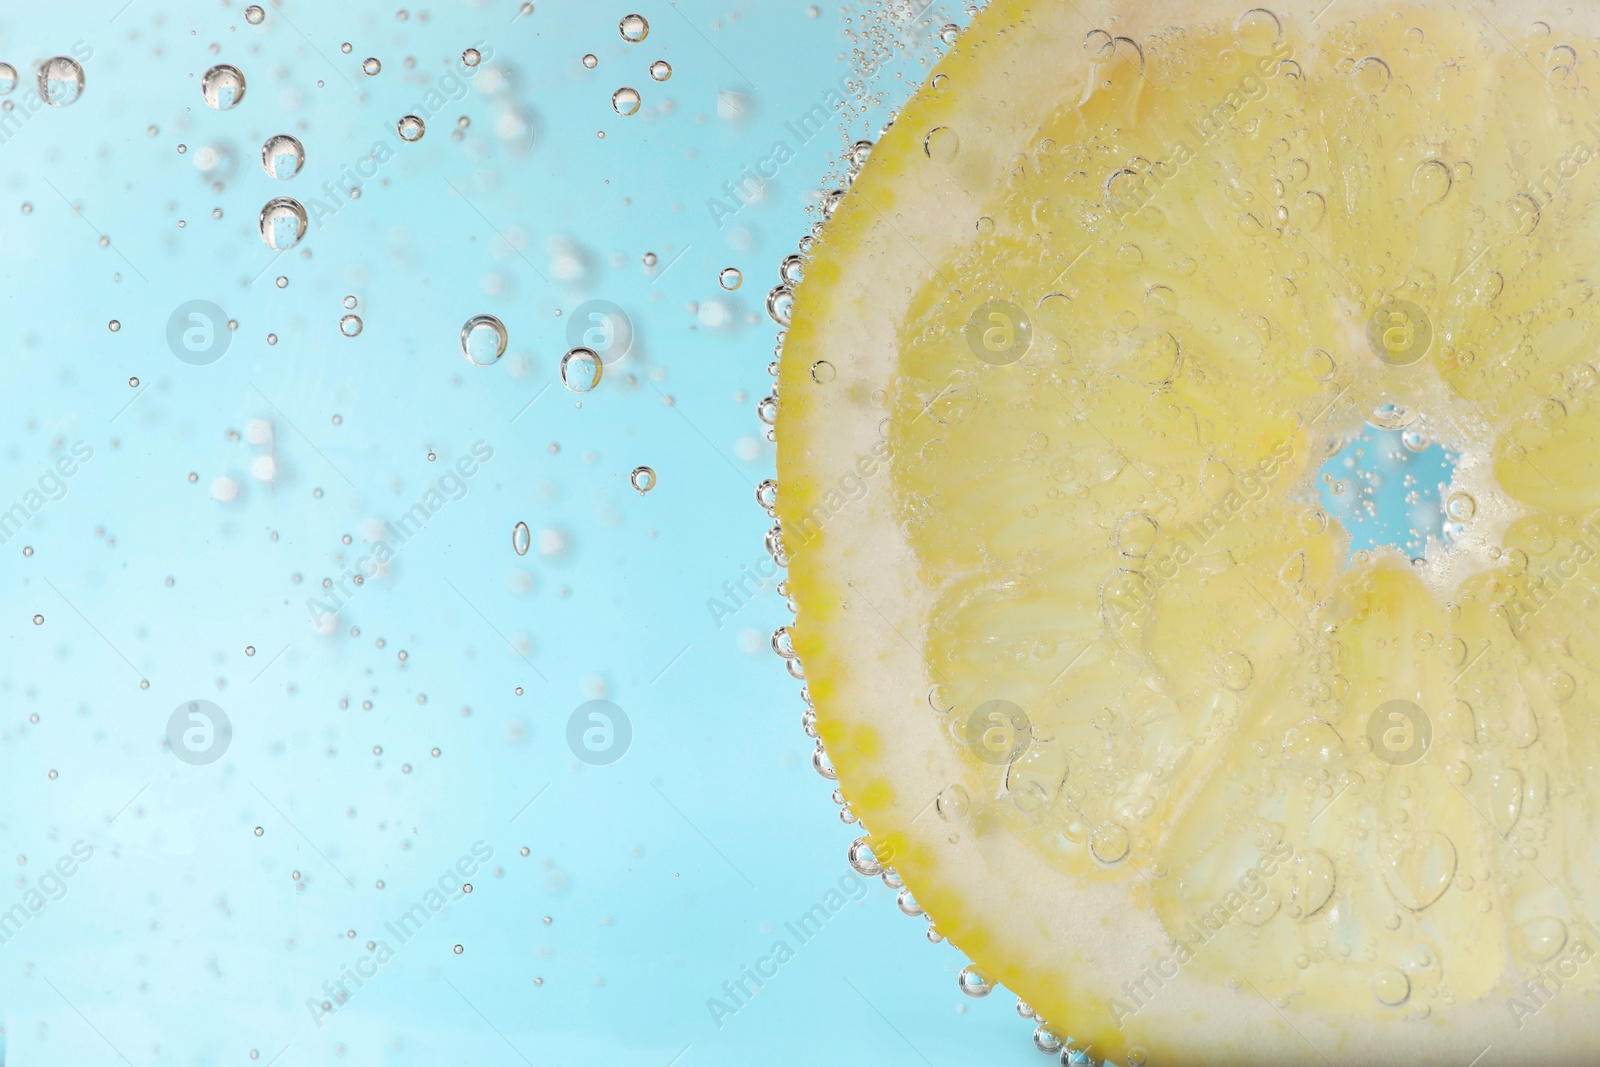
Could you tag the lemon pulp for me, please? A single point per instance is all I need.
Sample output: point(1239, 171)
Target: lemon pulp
point(1094, 668)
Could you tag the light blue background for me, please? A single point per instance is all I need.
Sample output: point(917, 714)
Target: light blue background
point(186, 939)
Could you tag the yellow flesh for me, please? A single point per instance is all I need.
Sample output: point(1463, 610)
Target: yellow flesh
point(1197, 794)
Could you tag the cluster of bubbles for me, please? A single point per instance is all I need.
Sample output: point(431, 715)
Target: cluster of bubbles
point(626, 100)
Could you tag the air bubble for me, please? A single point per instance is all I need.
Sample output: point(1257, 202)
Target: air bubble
point(1391, 987)
point(634, 28)
point(411, 128)
point(483, 340)
point(1258, 30)
point(1372, 75)
point(350, 325)
point(660, 70)
point(625, 101)
point(471, 57)
point(282, 156)
point(973, 982)
point(223, 87)
point(643, 479)
point(60, 81)
point(581, 369)
point(254, 14)
point(282, 223)
point(1109, 842)
point(780, 305)
point(730, 278)
point(370, 66)
point(521, 538)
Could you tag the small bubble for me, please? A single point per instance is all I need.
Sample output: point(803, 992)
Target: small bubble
point(282, 282)
point(471, 57)
point(1392, 987)
point(260, 831)
point(38, 620)
point(591, 61)
point(483, 340)
point(634, 28)
point(730, 278)
point(254, 14)
point(1109, 842)
point(282, 156)
point(60, 81)
point(643, 479)
point(459, 950)
point(223, 87)
point(581, 370)
point(249, 650)
point(625, 101)
point(650, 259)
point(660, 70)
point(282, 223)
point(521, 538)
point(350, 325)
point(973, 982)
point(411, 128)
point(371, 65)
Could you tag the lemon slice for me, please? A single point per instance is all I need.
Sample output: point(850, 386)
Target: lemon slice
point(1095, 667)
